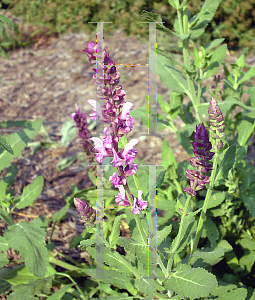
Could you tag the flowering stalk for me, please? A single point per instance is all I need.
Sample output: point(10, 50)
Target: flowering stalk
point(201, 149)
point(216, 124)
point(116, 112)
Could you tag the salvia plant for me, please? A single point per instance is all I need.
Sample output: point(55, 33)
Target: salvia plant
point(198, 242)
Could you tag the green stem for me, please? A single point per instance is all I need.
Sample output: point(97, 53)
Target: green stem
point(185, 49)
point(75, 283)
point(64, 265)
point(178, 238)
point(207, 198)
point(177, 184)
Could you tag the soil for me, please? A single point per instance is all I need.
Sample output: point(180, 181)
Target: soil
point(45, 81)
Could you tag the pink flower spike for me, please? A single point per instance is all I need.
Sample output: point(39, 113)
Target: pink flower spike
point(115, 179)
point(126, 110)
point(97, 110)
point(135, 210)
point(117, 162)
point(129, 146)
point(142, 204)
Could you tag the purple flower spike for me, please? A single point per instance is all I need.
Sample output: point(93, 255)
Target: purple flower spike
point(116, 112)
point(216, 120)
point(201, 149)
point(87, 213)
point(83, 133)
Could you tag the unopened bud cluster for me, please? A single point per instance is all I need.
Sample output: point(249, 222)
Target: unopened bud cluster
point(86, 212)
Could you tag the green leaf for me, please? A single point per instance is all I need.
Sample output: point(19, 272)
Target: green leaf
point(247, 76)
point(146, 285)
point(7, 21)
point(191, 282)
point(58, 215)
point(249, 201)
point(216, 199)
point(3, 260)
point(4, 144)
point(208, 256)
point(18, 141)
point(31, 192)
point(115, 230)
point(165, 106)
point(29, 239)
point(159, 181)
point(244, 131)
point(206, 15)
point(60, 293)
point(162, 234)
point(211, 231)
point(217, 58)
point(247, 243)
point(247, 260)
point(167, 155)
point(213, 44)
point(28, 291)
point(170, 76)
point(241, 61)
point(6, 217)
point(86, 243)
point(238, 294)
point(185, 142)
point(4, 245)
point(226, 164)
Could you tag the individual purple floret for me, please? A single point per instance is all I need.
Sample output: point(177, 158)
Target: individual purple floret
point(87, 213)
point(116, 112)
point(216, 122)
point(201, 149)
point(83, 133)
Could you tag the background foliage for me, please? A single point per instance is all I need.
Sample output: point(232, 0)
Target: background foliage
point(234, 20)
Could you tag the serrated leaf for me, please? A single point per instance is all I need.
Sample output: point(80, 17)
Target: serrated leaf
point(28, 291)
point(115, 230)
point(29, 239)
point(31, 192)
point(171, 77)
point(4, 144)
point(146, 285)
point(206, 15)
point(191, 282)
point(208, 256)
point(18, 141)
point(162, 234)
point(226, 164)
